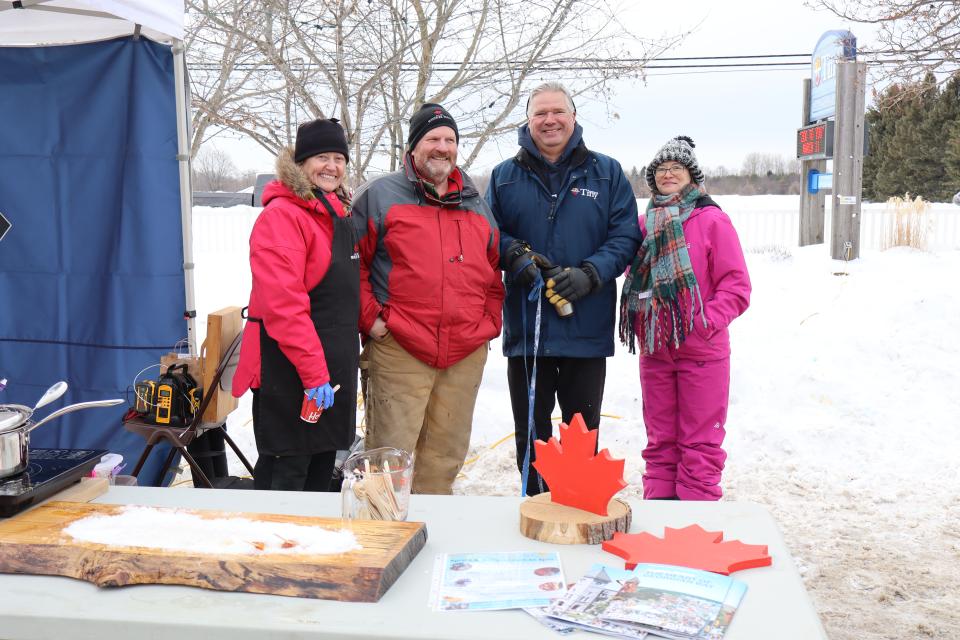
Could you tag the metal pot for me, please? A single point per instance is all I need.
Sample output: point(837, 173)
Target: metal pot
point(15, 428)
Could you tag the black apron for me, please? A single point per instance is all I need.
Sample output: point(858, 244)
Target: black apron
point(335, 312)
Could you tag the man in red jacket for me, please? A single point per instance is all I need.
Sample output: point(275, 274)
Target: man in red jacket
point(430, 300)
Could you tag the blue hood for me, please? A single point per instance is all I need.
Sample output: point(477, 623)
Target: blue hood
point(525, 140)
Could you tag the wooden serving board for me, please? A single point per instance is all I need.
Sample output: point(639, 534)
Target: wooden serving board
point(34, 543)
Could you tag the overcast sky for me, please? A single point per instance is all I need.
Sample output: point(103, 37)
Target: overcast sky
point(728, 114)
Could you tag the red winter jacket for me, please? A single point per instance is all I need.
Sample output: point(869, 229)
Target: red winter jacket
point(290, 248)
point(430, 270)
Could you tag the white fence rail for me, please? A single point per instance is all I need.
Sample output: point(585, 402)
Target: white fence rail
point(774, 221)
point(761, 222)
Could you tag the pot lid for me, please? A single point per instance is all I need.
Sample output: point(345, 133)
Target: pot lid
point(12, 417)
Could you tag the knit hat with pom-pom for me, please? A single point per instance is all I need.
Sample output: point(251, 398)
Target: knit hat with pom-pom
point(679, 149)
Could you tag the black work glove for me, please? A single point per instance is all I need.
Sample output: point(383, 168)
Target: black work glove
point(574, 283)
point(523, 263)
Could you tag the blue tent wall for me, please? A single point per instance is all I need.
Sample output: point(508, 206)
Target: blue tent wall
point(91, 273)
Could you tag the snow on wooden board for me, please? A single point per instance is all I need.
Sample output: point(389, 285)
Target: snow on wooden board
point(374, 556)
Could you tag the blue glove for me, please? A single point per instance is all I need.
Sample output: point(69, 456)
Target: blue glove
point(323, 395)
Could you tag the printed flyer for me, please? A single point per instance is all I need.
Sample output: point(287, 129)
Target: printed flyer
point(498, 580)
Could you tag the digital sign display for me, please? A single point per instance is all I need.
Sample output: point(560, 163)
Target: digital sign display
point(816, 141)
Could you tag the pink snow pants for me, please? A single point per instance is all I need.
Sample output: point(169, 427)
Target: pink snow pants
point(685, 410)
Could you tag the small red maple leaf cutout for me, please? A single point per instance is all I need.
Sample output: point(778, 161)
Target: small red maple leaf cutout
point(578, 478)
point(688, 547)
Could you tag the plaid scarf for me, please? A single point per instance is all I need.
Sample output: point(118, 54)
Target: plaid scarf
point(662, 270)
point(454, 194)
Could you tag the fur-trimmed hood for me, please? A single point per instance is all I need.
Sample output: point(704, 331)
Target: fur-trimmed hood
point(291, 175)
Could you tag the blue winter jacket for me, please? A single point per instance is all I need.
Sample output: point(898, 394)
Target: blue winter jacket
point(592, 219)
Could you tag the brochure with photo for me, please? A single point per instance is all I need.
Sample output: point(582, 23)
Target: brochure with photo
point(683, 602)
point(651, 601)
point(499, 580)
point(584, 603)
point(540, 615)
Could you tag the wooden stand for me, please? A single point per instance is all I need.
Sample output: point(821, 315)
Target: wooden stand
point(547, 521)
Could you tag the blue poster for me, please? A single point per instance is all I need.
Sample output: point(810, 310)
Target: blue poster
point(832, 46)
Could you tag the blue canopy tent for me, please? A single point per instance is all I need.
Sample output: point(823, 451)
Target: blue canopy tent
point(96, 279)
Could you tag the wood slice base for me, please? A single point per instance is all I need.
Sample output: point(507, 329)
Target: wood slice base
point(548, 521)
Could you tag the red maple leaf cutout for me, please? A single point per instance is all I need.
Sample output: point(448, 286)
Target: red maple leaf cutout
point(689, 547)
point(578, 478)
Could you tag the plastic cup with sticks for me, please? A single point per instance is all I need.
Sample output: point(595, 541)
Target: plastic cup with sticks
point(376, 484)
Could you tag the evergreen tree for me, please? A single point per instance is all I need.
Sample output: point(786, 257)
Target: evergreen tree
point(636, 180)
point(950, 131)
point(914, 135)
point(880, 131)
point(937, 185)
point(898, 162)
point(952, 155)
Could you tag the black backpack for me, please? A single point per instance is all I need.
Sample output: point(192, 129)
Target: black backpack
point(176, 398)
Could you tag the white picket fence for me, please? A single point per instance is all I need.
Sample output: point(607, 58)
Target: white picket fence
point(761, 221)
point(774, 221)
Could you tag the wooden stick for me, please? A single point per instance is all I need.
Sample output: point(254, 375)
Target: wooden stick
point(375, 494)
point(391, 495)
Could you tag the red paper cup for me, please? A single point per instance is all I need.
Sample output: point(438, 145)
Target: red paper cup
point(310, 411)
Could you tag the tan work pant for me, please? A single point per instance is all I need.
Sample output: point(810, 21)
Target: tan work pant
point(415, 407)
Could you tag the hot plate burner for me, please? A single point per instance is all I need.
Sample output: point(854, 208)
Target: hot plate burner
point(49, 471)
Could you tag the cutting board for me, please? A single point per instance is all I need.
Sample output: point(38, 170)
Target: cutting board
point(34, 543)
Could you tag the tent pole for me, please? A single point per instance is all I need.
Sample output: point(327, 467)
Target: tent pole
point(186, 189)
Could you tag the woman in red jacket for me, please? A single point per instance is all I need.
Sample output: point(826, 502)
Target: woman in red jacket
point(301, 335)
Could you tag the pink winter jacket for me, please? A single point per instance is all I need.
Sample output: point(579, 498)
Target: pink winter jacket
point(721, 272)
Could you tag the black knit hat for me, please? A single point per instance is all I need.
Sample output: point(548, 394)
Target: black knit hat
point(320, 136)
point(430, 116)
point(679, 149)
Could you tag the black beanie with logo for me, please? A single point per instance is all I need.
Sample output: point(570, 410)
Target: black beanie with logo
point(429, 116)
point(320, 136)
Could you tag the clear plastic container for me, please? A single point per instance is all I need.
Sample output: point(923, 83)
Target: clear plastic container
point(109, 466)
point(376, 484)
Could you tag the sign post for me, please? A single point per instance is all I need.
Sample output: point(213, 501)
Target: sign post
point(832, 127)
point(812, 204)
point(848, 161)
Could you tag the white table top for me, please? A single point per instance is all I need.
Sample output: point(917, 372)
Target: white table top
point(775, 606)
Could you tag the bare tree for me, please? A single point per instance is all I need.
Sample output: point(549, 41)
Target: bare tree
point(752, 164)
point(766, 164)
point(916, 36)
point(214, 170)
point(261, 68)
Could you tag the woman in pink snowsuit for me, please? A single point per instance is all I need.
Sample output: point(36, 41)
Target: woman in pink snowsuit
point(686, 284)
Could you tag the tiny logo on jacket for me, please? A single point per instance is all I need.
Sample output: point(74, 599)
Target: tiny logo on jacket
point(584, 192)
point(355, 256)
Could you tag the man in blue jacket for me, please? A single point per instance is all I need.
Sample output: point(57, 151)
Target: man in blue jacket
point(559, 204)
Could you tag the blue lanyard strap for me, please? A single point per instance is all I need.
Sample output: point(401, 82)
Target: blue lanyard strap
point(534, 294)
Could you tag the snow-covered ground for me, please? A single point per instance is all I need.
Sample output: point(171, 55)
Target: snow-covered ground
point(844, 419)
